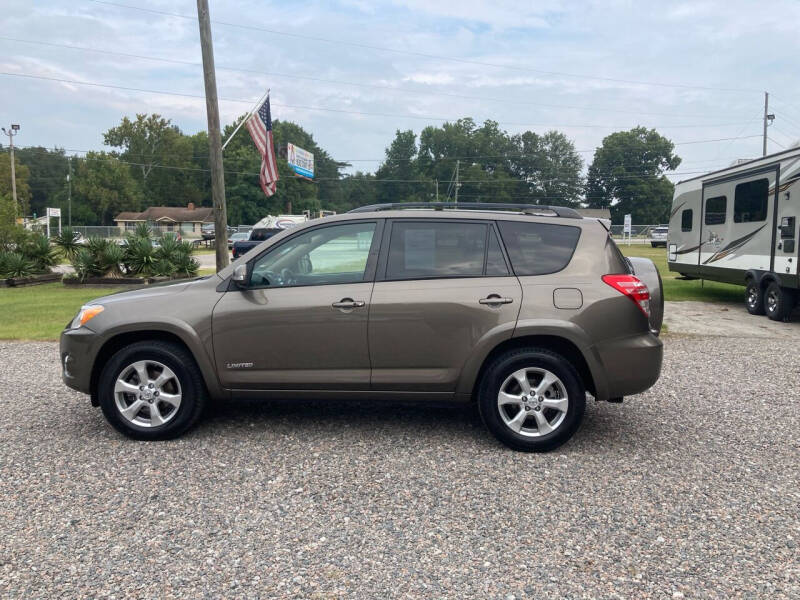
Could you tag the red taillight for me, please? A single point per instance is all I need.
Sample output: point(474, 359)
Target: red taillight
point(633, 288)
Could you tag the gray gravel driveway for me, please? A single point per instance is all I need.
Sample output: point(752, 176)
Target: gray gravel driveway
point(690, 490)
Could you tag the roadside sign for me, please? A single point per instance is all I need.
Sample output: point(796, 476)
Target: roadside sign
point(53, 212)
point(301, 161)
point(627, 226)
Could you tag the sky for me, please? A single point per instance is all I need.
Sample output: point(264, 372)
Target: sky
point(352, 72)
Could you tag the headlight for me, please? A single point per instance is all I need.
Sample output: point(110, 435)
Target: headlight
point(85, 314)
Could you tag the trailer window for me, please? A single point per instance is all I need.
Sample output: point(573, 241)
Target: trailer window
point(750, 201)
point(716, 208)
point(687, 216)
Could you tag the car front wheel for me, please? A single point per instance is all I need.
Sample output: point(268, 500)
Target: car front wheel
point(151, 390)
point(532, 400)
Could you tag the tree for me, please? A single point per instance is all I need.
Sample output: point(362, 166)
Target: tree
point(48, 178)
point(103, 186)
point(399, 171)
point(22, 175)
point(627, 175)
point(550, 167)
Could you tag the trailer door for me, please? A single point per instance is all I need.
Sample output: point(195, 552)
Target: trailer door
point(714, 222)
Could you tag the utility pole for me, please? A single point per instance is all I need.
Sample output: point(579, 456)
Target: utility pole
point(69, 192)
point(768, 118)
point(214, 137)
point(11, 132)
point(458, 163)
point(437, 190)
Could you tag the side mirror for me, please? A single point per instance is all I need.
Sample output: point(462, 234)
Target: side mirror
point(240, 275)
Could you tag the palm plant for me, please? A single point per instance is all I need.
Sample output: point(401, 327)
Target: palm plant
point(186, 266)
point(97, 245)
point(15, 264)
point(67, 241)
point(139, 256)
point(85, 264)
point(169, 249)
point(163, 268)
point(110, 261)
point(142, 230)
point(40, 253)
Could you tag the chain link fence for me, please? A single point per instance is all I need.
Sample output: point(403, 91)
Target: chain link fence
point(640, 234)
point(112, 231)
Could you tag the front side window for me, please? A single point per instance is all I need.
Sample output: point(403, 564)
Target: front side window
point(750, 201)
point(538, 248)
point(425, 250)
point(716, 208)
point(687, 216)
point(322, 256)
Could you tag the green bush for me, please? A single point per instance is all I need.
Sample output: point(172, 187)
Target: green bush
point(14, 264)
point(137, 257)
point(40, 253)
point(85, 265)
point(67, 241)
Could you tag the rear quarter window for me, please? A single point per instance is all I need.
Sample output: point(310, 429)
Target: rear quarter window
point(538, 248)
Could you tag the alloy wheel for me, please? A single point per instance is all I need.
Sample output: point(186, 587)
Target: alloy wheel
point(147, 393)
point(533, 402)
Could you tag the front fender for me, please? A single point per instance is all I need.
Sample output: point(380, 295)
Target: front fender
point(197, 339)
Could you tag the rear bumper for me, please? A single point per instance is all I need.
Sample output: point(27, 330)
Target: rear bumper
point(77, 351)
point(631, 365)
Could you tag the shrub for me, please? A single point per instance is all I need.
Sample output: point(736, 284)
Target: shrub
point(110, 261)
point(169, 250)
point(40, 253)
point(163, 268)
point(139, 256)
point(186, 265)
point(85, 265)
point(15, 264)
point(67, 241)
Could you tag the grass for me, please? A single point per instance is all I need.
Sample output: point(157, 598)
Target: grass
point(679, 289)
point(40, 312)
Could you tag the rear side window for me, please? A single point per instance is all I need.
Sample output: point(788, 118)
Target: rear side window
point(687, 216)
point(716, 208)
point(425, 250)
point(495, 263)
point(750, 201)
point(538, 248)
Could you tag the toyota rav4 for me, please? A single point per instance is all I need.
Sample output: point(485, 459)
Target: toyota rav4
point(520, 309)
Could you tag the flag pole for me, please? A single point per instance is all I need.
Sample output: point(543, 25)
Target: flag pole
point(250, 114)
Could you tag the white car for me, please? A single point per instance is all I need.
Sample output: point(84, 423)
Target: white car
point(658, 236)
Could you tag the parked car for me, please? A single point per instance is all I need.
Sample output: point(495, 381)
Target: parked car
point(519, 309)
point(208, 231)
point(658, 236)
point(237, 237)
point(257, 235)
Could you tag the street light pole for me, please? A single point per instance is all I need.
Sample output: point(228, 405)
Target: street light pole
point(69, 192)
point(11, 132)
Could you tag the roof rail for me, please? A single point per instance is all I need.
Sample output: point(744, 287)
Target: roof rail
point(528, 209)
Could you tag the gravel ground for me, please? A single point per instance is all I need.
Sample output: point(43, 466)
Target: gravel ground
point(689, 490)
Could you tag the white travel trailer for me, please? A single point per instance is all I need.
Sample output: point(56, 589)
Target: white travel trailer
point(739, 225)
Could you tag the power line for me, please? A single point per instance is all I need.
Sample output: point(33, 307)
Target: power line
point(426, 55)
point(377, 86)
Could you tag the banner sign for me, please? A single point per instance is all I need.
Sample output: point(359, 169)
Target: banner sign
point(53, 212)
point(301, 161)
point(627, 225)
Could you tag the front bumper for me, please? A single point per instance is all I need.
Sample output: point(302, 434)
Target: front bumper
point(77, 349)
point(631, 364)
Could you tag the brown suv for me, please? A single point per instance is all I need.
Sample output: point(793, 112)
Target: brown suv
point(522, 309)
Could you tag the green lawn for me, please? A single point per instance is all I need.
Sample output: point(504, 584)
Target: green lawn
point(679, 289)
point(40, 312)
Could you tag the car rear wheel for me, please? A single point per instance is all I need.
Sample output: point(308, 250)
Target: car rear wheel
point(754, 298)
point(151, 390)
point(779, 302)
point(532, 400)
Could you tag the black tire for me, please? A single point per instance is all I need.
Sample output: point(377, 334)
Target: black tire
point(779, 302)
point(531, 358)
point(754, 298)
point(187, 373)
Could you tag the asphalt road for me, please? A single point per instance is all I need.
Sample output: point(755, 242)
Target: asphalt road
point(690, 490)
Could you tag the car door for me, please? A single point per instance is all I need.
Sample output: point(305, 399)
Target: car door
point(442, 286)
point(300, 323)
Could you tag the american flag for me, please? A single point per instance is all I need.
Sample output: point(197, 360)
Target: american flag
point(260, 127)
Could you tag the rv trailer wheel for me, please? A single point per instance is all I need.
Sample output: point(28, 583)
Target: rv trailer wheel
point(778, 302)
point(754, 298)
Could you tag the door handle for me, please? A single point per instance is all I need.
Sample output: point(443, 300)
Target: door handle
point(495, 300)
point(348, 303)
